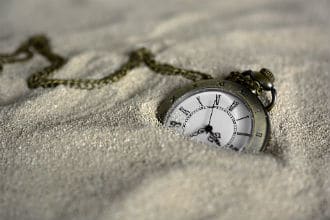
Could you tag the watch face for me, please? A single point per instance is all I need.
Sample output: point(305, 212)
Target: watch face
point(213, 117)
point(219, 114)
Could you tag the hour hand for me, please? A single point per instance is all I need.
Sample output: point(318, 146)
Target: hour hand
point(214, 137)
point(198, 132)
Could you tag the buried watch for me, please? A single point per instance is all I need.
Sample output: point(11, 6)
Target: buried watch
point(223, 113)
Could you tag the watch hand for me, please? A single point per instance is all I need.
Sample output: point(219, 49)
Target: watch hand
point(198, 132)
point(217, 141)
point(214, 137)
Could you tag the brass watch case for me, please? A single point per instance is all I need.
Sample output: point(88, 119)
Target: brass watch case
point(261, 123)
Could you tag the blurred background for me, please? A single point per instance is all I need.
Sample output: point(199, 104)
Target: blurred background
point(71, 154)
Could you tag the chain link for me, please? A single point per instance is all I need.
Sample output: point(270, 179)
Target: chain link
point(41, 45)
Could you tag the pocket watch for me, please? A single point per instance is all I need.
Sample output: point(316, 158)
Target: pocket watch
point(223, 113)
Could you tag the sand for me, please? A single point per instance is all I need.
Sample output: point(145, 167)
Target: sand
point(102, 154)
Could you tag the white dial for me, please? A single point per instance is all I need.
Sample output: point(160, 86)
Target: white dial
point(214, 117)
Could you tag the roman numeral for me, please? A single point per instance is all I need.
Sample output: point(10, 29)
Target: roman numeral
point(217, 100)
point(199, 100)
point(244, 134)
point(184, 111)
point(233, 105)
point(233, 148)
point(243, 118)
point(259, 134)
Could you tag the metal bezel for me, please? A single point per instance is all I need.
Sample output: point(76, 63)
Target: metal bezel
point(261, 124)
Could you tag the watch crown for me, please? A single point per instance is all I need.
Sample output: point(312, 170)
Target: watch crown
point(265, 77)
